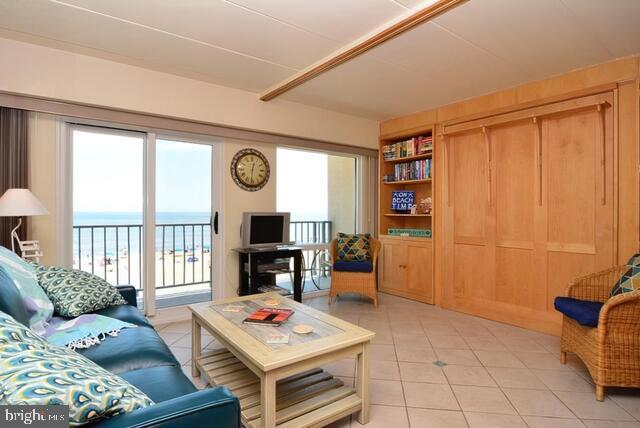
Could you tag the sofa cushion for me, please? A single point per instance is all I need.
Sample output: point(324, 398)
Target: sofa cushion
point(10, 299)
point(352, 266)
point(133, 349)
point(59, 376)
point(126, 313)
point(584, 312)
point(160, 383)
point(74, 292)
point(354, 247)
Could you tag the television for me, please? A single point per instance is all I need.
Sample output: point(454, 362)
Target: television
point(265, 229)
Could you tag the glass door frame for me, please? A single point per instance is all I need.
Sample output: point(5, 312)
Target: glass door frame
point(64, 211)
point(217, 178)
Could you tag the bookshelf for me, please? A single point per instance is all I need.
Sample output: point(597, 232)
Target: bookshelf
point(406, 264)
point(412, 154)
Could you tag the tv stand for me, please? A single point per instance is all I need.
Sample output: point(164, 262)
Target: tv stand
point(250, 279)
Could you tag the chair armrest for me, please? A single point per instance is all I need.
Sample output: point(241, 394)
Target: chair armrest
point(206, 408)
point(620, 317)
point(129, 294)
point(374, 256)
point(596, 286)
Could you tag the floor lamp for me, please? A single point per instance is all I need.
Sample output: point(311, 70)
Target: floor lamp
point(19, 203)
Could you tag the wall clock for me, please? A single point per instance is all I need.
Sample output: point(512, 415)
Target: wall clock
point(250, 169)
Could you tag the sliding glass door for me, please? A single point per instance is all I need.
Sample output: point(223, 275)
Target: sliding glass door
point(143, 213)
point(108, 204)
point(183, 222)
point(320, 191)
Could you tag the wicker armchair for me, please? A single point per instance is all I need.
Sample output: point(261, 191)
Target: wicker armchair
point(611, 351)
point(355, 282)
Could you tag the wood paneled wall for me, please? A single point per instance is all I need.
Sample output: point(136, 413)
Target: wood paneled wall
point(525, 205)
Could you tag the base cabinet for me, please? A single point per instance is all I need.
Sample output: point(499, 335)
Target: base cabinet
point(407, 268)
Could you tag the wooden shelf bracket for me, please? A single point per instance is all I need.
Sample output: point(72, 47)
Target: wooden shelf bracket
point(538, 127)
point(487, 141)
point(603, 151)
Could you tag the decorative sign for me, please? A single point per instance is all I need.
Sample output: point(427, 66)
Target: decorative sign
point(402, 200)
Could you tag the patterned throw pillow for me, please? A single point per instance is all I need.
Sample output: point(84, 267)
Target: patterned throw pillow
point(354, 247)
point(38, 305)
point(59, 376)
point(630, 280)
point(74, 292)
point(15, 337)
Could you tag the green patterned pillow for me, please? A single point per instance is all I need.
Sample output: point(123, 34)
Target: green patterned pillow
point(354, 247)
point(74, 292)
point(630, 280)
point(15, 337)
point(59, 376)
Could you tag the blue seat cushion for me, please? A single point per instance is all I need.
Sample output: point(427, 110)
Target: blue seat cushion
point(132, 349)
point(160, 383)
point(584, 312)
point(352, 266)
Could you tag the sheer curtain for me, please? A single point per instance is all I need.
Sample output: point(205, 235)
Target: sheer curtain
point(13, 162)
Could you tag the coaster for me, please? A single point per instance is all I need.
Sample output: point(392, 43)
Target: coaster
point(277, 338)
point(303, 329)
point(272, 302)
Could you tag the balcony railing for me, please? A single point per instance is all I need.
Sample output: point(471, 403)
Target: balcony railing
point(311, 232)
point(112, 252)
point(182, 253)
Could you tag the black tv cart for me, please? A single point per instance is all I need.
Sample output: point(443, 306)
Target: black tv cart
point(252, 275)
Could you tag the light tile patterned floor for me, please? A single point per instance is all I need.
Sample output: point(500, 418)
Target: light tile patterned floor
point(495, 375)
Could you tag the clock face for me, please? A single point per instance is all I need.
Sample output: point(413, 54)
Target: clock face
point(250, 169)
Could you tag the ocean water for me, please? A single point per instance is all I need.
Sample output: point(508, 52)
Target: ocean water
point(190, 231)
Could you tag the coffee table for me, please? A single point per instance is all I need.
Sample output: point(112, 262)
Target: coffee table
point(282, 384)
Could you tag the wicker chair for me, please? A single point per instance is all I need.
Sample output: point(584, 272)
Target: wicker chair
point(611, 351)
point(355, 282)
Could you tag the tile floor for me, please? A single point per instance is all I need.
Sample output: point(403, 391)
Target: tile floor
point(489, 374)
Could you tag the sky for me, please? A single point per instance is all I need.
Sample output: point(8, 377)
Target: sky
point(108, 174)
point(302, 186)
point(108, 177)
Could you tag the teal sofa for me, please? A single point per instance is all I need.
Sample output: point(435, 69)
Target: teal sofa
point(141, 357)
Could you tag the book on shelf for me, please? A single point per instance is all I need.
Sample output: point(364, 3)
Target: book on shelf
point(269, 316)
point(412, 147)
point(414, 170)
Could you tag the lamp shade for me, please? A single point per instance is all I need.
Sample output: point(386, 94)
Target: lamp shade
point(20, 202)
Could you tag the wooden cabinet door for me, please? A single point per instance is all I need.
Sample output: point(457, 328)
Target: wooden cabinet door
point(530, 206)
point(394, 260)
point(419, 271)
point(519, 254)
point(578, 196)
point(472, 261)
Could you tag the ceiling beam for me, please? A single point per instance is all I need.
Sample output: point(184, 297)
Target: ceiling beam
point(362, 45)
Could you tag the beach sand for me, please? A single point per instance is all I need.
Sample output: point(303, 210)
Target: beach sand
point(178, 269)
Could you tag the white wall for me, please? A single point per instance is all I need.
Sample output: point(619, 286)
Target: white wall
point(236, 201)
point(36, 70)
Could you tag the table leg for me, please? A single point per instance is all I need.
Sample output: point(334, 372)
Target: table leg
point(297, 280)
point(196, 345)
point(268, 400)
point(362, 383)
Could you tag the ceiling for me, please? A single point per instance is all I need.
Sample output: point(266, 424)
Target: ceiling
point(477, 48)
